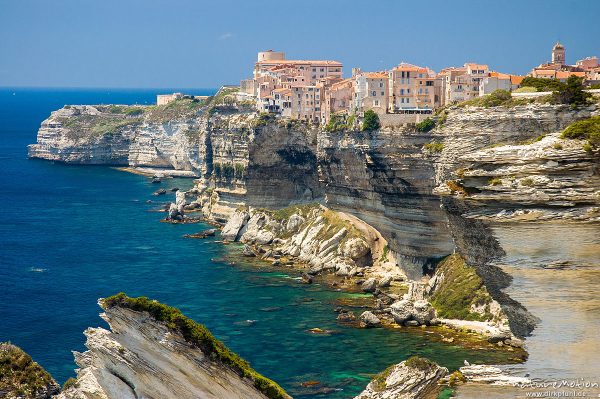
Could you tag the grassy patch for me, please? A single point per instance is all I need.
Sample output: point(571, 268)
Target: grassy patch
point(384, 254)
point(527, 182)
point(419, 363)
point(200, 336)
point(178, 109)
point(461, 287)
point(585, 129)
point(20, 376)
point(456, 187)
point(378, 384)
point(434, 147)
point(71, 382)
point(334, 223)
point(531, 141)
point(496, 181)
point(425, 125)
point(287, 212)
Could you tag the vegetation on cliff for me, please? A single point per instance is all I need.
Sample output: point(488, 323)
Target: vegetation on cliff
point(21, 377)
point(459, 291)
point(198, 335)
point(586, 129)
point(370, 121)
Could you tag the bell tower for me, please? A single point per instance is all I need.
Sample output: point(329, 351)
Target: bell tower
point(558, 54)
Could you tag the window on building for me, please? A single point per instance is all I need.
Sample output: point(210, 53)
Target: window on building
point(322, 69)
point(314, 69)
point(376, 103)
point(383, 93)
point(380, 84)
point(374, 93)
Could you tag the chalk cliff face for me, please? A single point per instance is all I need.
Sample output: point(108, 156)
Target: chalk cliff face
point(143, 357)
point(120, 135)
point(426, 201)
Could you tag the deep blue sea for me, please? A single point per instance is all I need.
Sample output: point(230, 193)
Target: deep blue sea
point(72, 234)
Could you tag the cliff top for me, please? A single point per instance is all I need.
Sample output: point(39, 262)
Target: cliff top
point(198, 335)
point(21, 377)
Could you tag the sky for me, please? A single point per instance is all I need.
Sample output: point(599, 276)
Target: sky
point(204, 44)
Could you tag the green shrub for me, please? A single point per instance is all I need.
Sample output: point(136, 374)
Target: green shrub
point(460, 288)
point(585, 129)
point(370, 121)
point(425, 125)
point(496, 181)
point(199, 336)
point(419, 363)
point(494, 99)
point(20, 376)
point(434, 147)
point(542, 84)
point(336, 124)
point(527, 182)
point(263, 119)
point(71, 382)
point(572, 93)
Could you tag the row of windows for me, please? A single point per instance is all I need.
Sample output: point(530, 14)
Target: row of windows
point(374, 93)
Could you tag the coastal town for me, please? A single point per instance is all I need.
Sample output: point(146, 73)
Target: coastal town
point(314, 90)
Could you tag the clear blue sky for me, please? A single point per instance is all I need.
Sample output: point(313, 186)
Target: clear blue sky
point(195, 43)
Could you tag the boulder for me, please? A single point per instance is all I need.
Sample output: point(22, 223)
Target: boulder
point(346, 316)
point(233, 226)
point(423, 312)
point(294, 223)
point(307, 278)
point(370, 285)
point(355, 248)
point(385, 281)
point(173, 213)
point(161, 191)
point(402, 311)
point(247, 251)
point(413, 378)
point(368, 319)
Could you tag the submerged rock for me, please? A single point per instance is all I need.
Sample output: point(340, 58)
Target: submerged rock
point(368, 319)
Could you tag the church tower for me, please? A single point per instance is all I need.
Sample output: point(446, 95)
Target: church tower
point(558, 54)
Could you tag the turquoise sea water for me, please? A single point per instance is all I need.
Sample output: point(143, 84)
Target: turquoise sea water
point(72, 234)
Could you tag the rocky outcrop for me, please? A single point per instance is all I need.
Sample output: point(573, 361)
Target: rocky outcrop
point(153, 351)
point(21, 377)
point(121, 135)
point(324, 240)
point(511, 164)
point(414, 378)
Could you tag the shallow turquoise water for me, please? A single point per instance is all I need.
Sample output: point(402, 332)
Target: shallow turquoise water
point(72, 234)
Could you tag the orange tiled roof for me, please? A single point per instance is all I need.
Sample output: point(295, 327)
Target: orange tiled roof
point(375, 75)
point(403, 66)
point(298, 62)
point(516, 79)
point(475, 66)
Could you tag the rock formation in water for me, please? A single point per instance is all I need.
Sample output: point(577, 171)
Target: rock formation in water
point(414, 378)
point(153, 351)
point(21, 377)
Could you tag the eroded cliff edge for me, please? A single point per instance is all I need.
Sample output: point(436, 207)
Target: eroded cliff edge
point(153, 351)
point(429, 194)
